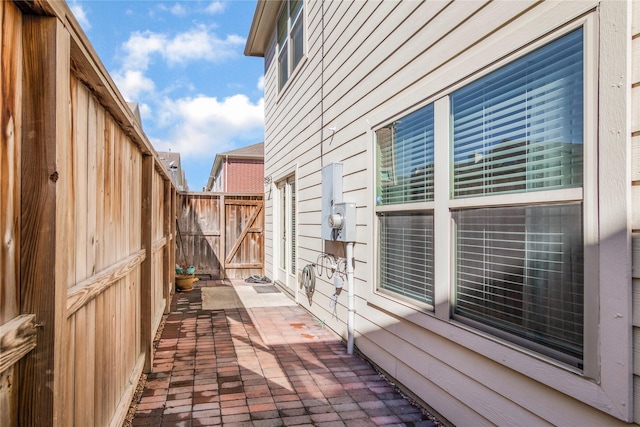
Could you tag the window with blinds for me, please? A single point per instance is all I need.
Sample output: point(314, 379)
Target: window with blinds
point(405, 176)
point(520, 128)
point(519, 270)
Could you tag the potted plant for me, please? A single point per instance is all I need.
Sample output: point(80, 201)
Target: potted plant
point(185, 277)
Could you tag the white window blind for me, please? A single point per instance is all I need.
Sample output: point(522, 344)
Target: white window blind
point(405, 159)
point(520, 270)
point(520, 128)
point(406, 255)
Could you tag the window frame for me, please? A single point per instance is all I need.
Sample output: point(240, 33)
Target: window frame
point(601, 383)
point(288, 43)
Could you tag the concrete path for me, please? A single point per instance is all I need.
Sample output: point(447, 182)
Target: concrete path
point(237, 362)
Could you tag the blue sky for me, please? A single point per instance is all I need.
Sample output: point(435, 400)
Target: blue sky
point(183, 63)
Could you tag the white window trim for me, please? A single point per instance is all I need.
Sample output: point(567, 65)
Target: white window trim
point(606, 383)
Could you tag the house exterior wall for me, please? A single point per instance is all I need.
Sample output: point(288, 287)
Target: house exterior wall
point(368, 63)
point(245, 175)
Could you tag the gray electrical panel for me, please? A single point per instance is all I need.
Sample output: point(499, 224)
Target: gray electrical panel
point(331, 194)
point(338, 221)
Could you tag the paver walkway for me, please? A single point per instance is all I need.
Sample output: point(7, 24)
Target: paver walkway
point(264, 366)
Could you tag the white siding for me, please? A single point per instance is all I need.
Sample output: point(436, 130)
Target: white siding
point(373, 61)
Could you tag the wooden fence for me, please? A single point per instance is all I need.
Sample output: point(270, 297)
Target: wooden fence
point(88, 231)
point(222, 234)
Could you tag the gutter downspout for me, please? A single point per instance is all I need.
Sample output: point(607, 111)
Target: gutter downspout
point(351, 299)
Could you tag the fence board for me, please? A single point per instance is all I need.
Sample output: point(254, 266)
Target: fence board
point(17, 338)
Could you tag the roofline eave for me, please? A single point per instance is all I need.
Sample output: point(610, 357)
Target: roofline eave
point(262, 27)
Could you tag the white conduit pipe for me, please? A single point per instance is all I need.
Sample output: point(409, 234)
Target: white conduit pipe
point(351, 318)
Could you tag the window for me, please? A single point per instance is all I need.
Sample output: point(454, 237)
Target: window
point(290, 35)
point(520, 129)
point(405, 177)
point(513, 199)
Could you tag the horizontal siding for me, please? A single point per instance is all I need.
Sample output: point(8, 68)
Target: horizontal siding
point(459, 372)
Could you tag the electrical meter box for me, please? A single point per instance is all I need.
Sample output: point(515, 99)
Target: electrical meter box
point(331, 194)
point(338, 218)
point(343, 222)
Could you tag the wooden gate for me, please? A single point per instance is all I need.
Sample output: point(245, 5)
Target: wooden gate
point(222, 234)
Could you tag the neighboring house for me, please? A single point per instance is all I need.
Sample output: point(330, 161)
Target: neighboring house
point(238, 171)
point(491, 149)
point(172, 163)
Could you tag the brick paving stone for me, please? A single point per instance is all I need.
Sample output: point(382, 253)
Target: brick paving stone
point(234, 410)
point(324, 417)
point(330, 424)
point(218, 367)
point(353, 415)
point(361, 422)
point(235, 418)
point(264, 415)
point(211, 421)
point(273, 422)
point(383, 420)
point(292, 412)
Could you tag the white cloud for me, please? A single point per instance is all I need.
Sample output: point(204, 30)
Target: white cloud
point(200, 44)
point(204, 125)
point(196, 44)
point(80, 15)
point(178, 10)
point(132, 83)
point(139, 48)
point(215, 7)
point(260, 84)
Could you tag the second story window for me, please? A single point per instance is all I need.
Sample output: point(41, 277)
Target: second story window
point(290, 33)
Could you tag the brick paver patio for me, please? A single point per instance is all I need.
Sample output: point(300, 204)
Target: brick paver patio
point(267, 366)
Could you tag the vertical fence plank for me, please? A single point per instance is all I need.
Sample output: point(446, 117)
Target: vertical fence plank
point(146, 273)
point(11, 119)
point(166, 256)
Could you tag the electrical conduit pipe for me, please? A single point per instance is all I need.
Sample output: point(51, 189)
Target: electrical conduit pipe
point(351, 299)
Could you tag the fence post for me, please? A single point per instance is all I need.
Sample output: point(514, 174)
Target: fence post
point(146, 268)
point(174, 239)
point(223, 236)
point(47, 239)
point(166, 256)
